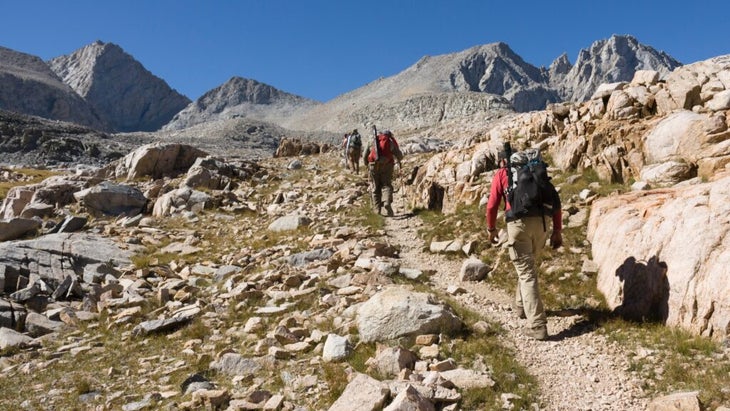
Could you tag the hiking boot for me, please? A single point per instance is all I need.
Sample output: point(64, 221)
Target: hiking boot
point(519, 312)
point(389, 210)
point(537, 333)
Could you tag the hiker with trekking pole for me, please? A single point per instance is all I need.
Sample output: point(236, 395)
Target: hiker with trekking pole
point(531, 203)
point(381, 156)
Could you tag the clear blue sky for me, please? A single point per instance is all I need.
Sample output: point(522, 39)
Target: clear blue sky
point(320, 49)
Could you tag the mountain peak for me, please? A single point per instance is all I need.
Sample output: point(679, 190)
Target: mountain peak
point(120, 89)
point(240, 97)
point(612, 60)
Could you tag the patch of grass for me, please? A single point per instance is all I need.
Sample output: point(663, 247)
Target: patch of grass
point(32, 176)
point(670, 359)
point(335, 374)
point(335, 377)
point(562, 285)
point(466, 221)
point(196, 329)
point(488, 353)
point(361, 353)
point(364, 215)
point(82, 386)
point(586, 178)
point(67, 376)
point(147, 260)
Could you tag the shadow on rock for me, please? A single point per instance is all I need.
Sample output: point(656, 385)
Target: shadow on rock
point(645, 290)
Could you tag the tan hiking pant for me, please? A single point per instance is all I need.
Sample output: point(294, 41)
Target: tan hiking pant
point(527, 238)
point(381, 179)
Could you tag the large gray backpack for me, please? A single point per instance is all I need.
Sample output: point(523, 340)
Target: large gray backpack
point(532, 193)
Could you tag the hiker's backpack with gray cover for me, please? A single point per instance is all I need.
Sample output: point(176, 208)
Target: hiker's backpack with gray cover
point(532, 193)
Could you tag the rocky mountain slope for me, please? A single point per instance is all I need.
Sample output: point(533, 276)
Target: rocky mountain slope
point(29, 86)
point(38, 142)
point(492, 69)
point(485, 81)
point(240, 98)
point(123, 93)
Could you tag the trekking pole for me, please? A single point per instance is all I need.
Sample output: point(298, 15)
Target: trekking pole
point(375, 143)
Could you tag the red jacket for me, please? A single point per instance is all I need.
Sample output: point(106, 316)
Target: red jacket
point(497, 193)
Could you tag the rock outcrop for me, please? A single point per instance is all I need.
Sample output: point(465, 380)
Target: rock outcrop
point(290, 147)
point(643, 130)
point(54, 257)
point(622, 133)
point(121, 91)
point(155, 160)
point(664, 255)
point(112, 199)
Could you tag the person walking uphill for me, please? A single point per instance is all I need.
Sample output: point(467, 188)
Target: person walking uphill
point(352, 145)
point(380, 157)
point(528, 210)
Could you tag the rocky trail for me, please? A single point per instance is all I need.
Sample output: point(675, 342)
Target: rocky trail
point(577, 368)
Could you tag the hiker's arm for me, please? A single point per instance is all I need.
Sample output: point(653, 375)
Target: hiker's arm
point(495, 199)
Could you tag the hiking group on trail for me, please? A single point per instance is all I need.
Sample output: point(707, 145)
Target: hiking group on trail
point(530, 200)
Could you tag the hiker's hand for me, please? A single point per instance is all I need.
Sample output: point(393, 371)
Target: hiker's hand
point(556, 239)
point(493, 236)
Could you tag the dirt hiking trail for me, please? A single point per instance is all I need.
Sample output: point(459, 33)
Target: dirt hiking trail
point(577, 368)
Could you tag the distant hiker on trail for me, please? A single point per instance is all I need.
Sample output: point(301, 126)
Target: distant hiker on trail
point(352, 146)
point(531, 202)
point(381, 159)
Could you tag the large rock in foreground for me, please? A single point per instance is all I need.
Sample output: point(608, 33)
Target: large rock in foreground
point(395, 313)
point(665, 255)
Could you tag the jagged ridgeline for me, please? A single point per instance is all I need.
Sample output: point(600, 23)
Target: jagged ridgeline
point(102, 87)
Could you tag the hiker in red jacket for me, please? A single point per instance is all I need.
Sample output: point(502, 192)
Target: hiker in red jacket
point(381, 161)
point(526, 238)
